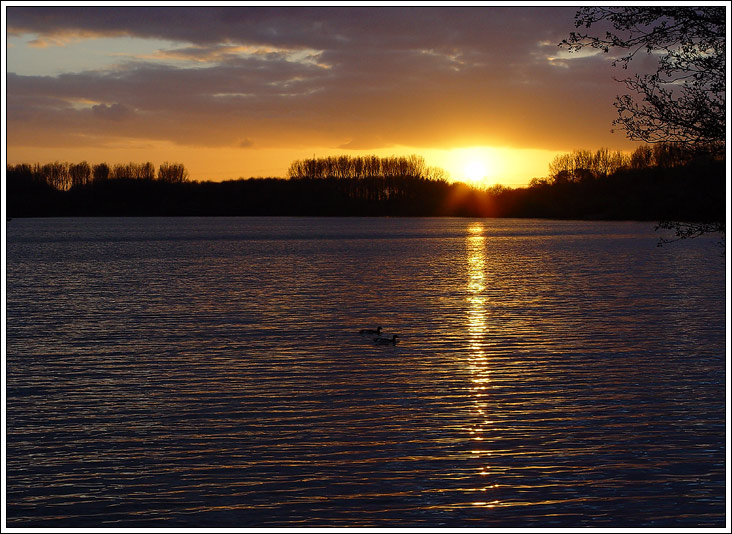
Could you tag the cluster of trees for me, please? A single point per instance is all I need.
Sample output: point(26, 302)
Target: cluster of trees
point(64, 176)
point(582, 165)
point(360, 167)
point(370, 178)
point(691, 191)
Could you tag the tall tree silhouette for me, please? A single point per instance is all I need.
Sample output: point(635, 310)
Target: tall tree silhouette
point(172, 172)
point(100, 172)
point(683, 101)
point(80, 173)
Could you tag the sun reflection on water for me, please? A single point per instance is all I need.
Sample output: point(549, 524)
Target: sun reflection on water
point(477, 323)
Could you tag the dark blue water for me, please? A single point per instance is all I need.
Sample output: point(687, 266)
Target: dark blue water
point(209, 373)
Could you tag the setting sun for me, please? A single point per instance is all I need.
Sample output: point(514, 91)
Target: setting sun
point(475, 170)
point(479, 166)
point(474, 165)
point(485, 166)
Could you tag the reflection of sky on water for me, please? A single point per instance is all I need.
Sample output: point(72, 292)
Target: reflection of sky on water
point(209, 371)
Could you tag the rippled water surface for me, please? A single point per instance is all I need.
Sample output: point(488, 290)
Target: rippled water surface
point(209, 372)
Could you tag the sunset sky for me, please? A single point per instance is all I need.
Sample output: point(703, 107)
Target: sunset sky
point(481, 91)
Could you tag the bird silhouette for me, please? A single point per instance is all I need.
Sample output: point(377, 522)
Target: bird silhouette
point(367, 331)
point(386, 340)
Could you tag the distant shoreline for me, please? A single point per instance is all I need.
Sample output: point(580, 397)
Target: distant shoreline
point(559, 219)
point(692, 192)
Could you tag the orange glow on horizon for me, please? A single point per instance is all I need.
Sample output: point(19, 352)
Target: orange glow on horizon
point(485, 166)
point(479, 166)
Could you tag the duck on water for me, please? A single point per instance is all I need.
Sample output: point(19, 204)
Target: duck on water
point(368, 331)
point(386, 340)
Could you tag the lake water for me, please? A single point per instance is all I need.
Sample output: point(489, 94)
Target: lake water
point(208, 372)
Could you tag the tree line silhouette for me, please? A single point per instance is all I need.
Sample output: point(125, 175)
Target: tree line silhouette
point(364, 167)
point(585, 164)
point(658, 182)
point(64, 176)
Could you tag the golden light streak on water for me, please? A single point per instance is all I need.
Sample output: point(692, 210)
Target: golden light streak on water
point(477, 329)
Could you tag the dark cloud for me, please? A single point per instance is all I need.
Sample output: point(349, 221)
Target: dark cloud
point(507, 30)
point(320, 27)
point(115, 112)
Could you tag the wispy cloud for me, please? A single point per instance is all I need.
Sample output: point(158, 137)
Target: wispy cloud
point(226, 52)
point(63, 38)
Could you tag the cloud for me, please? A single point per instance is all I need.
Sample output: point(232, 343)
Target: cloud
point(63, 37)
point(245, 143)
point(344, 77)
point(115, 112)
point(227, 52)
point(317, 28)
